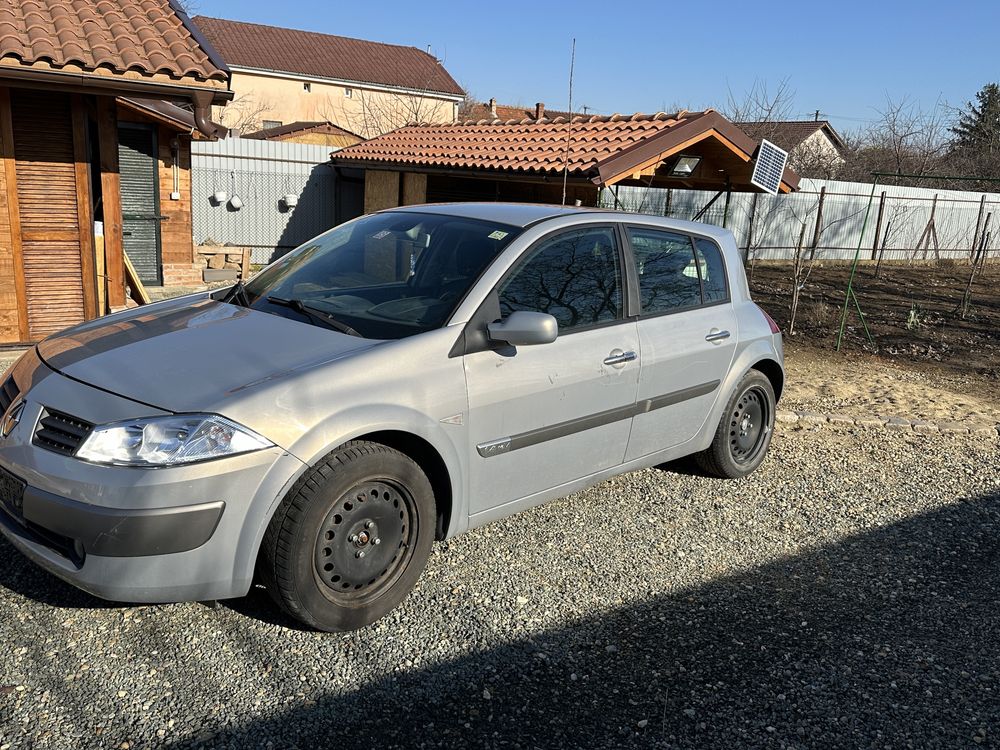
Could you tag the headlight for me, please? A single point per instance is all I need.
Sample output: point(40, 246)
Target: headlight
point(166, 441)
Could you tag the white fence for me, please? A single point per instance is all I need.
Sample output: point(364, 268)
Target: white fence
point(768, 227)
point(259, 180)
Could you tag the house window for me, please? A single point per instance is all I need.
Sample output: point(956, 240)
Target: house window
point(270, 124)
point(307, 87)
point(348, 93)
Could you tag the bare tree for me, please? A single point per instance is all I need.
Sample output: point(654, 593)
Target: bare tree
point(245, 113)
point(373, 113)
point(761, 105)
point(905, 139)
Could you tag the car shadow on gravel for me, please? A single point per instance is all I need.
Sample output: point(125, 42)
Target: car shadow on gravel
point(20, 575)
point(889, 638)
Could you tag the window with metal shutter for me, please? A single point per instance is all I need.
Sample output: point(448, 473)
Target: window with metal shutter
point(137, 166)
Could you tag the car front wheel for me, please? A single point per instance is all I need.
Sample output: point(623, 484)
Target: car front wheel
point(350, 541)
point(744, 432)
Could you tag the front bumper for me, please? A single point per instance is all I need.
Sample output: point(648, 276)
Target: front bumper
point(131, 534)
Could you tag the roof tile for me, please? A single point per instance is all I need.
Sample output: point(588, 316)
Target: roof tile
point(530, 146)
point(254, 45)
point(143, 35)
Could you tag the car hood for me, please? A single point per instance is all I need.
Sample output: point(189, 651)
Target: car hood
point(187, 357)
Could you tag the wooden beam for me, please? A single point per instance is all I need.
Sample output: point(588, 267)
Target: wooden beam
point(139, 293)
point(111, 199)
point(654, 161)
point(84, 206)
point(14, 211)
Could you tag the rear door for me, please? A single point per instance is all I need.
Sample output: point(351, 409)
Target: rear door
point(687, 335)
point(541, 416)
point(137, 164)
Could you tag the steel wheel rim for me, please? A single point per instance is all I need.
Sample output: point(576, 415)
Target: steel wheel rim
point(749, 425)
point(365, 542)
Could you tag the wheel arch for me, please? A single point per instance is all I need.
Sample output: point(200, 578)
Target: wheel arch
point(430, 461)
point(773, 372)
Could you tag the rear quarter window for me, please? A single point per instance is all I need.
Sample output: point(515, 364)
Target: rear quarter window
point(713, 271)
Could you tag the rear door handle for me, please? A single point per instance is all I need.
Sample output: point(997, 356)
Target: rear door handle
point(716, 336)
point(617, 357)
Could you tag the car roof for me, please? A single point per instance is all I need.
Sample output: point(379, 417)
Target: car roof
point(514, 214)
point(526, 214)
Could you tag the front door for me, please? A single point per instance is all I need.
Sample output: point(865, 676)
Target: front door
point(542, 416)
point(687, 336)
point(137, 164)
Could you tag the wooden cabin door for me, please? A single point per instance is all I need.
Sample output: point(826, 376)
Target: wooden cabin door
point(54, 209)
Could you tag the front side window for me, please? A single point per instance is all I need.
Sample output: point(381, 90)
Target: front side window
point(384, 276)
point(666, 269)
point(574, 276)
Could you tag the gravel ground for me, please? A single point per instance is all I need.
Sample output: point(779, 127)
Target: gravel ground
point(846, 595)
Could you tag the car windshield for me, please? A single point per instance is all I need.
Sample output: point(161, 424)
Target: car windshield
point(384, 276)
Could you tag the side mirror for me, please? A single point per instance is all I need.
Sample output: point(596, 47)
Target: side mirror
point(523, 328)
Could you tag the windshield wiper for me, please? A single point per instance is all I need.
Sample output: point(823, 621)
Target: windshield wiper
point(311, 312)
point(237, 291)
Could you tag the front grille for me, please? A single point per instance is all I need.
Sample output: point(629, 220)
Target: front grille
point(60, 432)
point(8, 392)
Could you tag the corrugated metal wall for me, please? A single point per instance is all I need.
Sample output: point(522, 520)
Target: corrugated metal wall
point(261, 173)
point(778, 220)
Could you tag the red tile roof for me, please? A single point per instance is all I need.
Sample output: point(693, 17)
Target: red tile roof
point(252, 45)
point(536, 146)
point(601, 149)
point(147, 36)
point(506, 112)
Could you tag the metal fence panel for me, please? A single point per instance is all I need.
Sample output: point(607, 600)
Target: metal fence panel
point(905, 232)
point(261, 174)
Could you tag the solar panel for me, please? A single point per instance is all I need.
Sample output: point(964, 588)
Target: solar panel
point(769, 167)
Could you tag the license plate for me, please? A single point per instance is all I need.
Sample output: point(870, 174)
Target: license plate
point(11, 493)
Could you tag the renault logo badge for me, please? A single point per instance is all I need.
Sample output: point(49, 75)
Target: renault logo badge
point(11, 418)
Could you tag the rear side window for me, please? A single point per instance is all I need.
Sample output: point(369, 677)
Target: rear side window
point(713, 271)
point(574, 276)
point(666, 269)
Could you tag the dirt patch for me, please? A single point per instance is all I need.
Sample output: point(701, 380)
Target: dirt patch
point(860, 384)
point(926, 361)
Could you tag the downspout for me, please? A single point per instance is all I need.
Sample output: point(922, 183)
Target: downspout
point(203, 116)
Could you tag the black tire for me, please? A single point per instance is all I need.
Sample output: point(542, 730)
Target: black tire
point(363, 498)
point(744, 433)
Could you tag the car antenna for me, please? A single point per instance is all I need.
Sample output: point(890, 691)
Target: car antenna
point(569, 125)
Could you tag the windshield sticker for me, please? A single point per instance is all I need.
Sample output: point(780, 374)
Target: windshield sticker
point(381, 235)
point(497, 235)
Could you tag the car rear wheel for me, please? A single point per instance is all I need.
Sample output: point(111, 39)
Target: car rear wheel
point(744, 433)
point(351, 539)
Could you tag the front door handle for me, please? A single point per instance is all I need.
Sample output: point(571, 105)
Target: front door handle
point(716, 336)
point(618, 358)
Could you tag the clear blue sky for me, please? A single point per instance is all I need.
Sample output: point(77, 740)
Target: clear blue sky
point(841, 58)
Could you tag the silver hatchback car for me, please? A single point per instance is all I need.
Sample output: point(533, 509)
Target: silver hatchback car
point(404, 377)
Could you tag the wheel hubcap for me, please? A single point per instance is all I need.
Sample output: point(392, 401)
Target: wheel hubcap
point(364, 540)
point(748, 426)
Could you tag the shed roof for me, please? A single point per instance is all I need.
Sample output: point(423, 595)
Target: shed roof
point(117, 38)
point(603, 150)
point(280, 131)
point(272, 48)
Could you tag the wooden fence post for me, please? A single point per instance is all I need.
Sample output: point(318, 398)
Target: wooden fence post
point(878, 225)
point(979, 221)
point(819, 223)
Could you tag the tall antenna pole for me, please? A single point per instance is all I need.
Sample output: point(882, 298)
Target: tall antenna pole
point(569, 125)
